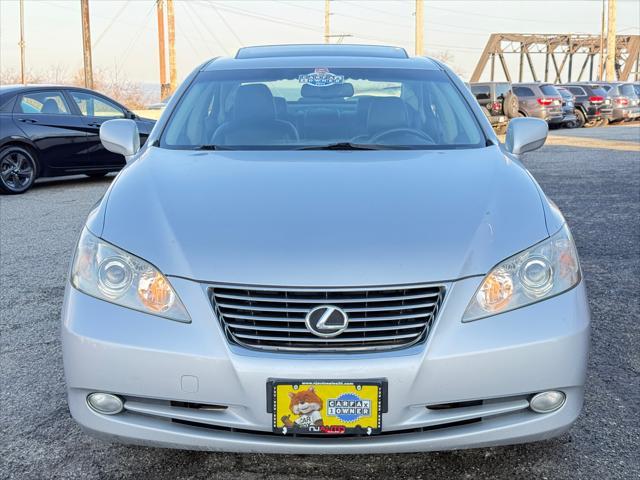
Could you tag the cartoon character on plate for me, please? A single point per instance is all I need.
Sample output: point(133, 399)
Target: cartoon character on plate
point(307, 404)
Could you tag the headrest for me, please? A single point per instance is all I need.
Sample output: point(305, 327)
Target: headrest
point(254, 101)
point(50, 106)
point(281, 106)
point(386, 113)
point(364, 103)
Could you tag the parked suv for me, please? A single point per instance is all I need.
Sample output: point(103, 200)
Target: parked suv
point(499, 102)
point(540, 100)
point(592, 105)
point(569, 118)
point(624, 101)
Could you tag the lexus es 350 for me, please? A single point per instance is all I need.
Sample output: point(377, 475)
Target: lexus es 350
point(325, 249)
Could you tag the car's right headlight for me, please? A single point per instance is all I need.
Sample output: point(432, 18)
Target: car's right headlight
point(540, 272)
point(109, 273)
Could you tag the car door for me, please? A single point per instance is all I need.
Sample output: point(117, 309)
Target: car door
point(47, 119)
point(95, 110)
point(526, 99)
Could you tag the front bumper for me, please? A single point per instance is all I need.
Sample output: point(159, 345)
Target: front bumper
point(497, 362)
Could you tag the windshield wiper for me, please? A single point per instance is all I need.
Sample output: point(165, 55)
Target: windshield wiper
point(211, 147)
point(351, 146)
point(330, 146)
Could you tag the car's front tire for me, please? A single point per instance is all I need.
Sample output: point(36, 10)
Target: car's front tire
point(18, 170)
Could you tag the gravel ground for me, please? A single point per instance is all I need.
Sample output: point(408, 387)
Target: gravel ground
point(598, 190)
point(618, 132)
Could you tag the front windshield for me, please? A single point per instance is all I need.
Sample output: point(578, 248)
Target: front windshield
point(315, 107)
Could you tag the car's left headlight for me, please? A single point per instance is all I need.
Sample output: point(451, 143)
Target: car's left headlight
point(109, 273)
point(542, 271)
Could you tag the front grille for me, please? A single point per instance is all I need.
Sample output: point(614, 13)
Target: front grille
point(274, 319)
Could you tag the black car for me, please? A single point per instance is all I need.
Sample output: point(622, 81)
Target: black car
point(592, 104)
point(499, 102)
point(49, 131)
point(569, 118)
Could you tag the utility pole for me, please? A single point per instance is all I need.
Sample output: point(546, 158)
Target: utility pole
point(173, 74)
point(164, 86)
point(611, 42)
point(86, 44)
point(21, 44)
point(419, 49)
point(601, 57)
point(327, 26)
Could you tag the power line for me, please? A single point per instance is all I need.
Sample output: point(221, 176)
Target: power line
point(224, 20)
point(202, 36)
point(186, 37)
point(125, 54)
point(113, 21)
point(368, 6)
point(206, 27)
point(492, 16)
point(269, 18)
point(353, 17)
point(201, 41)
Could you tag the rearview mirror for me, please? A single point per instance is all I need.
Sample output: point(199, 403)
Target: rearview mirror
point(120, 136)
point(525, 135)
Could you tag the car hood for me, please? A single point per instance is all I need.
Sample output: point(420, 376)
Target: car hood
point(324, 218)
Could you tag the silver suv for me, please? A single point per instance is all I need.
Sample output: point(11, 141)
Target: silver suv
point(540, 100)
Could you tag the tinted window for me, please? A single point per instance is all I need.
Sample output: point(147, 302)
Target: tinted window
point(576, 90)
point(627, 90)
point(549, 90)
point(6, 104)
point(598, 91)
point(47, 102)
point(298, 107)
point(94, 106)
point(565, 93)
point(502, 89)
point(523, 92)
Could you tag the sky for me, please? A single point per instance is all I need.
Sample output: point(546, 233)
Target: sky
point(124, 33)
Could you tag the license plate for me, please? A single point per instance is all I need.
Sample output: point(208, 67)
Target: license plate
point(326, 407)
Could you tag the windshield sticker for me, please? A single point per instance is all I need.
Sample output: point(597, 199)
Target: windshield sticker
point(321, 77)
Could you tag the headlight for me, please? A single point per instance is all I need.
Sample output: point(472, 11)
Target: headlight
point(542, 271)
point(111, 274)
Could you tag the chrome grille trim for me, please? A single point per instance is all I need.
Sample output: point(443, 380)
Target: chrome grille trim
point(273, 318)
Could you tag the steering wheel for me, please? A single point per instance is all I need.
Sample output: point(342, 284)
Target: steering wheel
point(395, 131)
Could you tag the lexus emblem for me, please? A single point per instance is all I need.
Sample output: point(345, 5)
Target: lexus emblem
point(327, 321)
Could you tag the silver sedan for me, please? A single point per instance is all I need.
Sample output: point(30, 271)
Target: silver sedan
point(325, 249)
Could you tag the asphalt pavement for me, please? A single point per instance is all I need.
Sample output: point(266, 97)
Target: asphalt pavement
point(597, 189)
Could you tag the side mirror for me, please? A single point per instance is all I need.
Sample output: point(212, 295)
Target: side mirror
point(120, 136)
point(525, 135)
